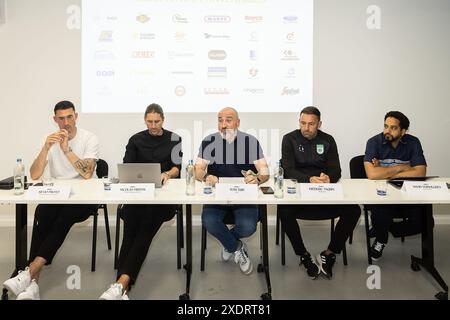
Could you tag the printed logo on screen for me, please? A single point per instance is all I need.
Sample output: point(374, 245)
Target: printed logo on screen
point(289, 55)
point(178, 18)
point(290, 73)
point(182, 72)
point(290, 91)
point(105, 73)
point(216, 36)
point(104, 55)
point(217, 19)
point(253, 19)
point(217, 55)
point(144, 36)
point(254, 90)
point(254, 37)
point(291, 37)
point(180, 91)
point(106, 36)
point(143, 54)
point(142, 18)
point(290, 19)
point(253, 73)
point(180, 36)
point(217, 72)
point(179, 54)
point(216, 91)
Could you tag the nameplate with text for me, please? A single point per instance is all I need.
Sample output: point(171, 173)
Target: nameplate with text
point(317, 190)
point(423, 187)
point(236, 191)
point(48, 193)
point(133, 190)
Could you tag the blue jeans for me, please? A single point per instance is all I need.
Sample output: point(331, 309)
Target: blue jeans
point(245, 220)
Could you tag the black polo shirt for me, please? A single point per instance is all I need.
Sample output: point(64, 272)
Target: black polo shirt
point(228, 159)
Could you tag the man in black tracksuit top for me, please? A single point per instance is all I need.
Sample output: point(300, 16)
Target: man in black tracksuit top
point(310, 156)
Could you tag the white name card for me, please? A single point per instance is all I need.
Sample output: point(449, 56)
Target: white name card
point(236, 191)
point(423, 187)
point(48, 193)
point(133, 190)
point(326, 190)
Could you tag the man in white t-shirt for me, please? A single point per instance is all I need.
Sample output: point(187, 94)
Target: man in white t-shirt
point(69, 153)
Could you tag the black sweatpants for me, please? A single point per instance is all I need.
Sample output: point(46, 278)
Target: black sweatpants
point(51, 226)
point(383, 215)
point(141, 223)
point(348, 218)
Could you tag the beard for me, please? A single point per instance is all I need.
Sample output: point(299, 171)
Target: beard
point(229, 134)
point(391, 138)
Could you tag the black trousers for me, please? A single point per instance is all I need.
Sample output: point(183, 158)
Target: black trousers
point(348, 218)
point(51, 226)
point(382, 220)
point(141, 223)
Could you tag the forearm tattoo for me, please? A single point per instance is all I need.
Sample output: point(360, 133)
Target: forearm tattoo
point(85, 165)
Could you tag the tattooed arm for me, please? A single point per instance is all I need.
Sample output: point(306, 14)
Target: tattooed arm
point(85, 167)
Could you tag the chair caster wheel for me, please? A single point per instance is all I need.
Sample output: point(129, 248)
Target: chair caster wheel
point(260, 268)
point(443, 295)
point(415, 266)
point(266, 296)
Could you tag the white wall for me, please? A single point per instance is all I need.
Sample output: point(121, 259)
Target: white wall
point(359, 75)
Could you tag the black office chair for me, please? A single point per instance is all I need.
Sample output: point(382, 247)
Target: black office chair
point(101, 171)
point(281, 233)
point(357, 171)
point(180, 236)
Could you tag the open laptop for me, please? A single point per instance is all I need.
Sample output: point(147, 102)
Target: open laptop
point(398, 182)
point(140, 173)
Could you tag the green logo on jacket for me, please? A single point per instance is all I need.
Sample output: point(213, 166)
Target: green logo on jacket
point(320, 148)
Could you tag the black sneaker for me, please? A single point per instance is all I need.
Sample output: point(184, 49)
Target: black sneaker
point(326, 263)
point(376, 250)
point(312, 269)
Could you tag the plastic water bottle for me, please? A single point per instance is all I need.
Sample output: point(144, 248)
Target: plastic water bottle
point(278, 182)
point(19, 177)
point(190, 178)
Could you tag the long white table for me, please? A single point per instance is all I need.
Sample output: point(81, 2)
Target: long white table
point(356, 191)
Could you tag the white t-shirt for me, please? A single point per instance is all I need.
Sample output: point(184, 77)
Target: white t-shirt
point(84, 145)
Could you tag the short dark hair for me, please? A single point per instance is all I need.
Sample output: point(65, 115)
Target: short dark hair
point(311, 110)
point(154, 108)
point(404, 121)
point(63, 105)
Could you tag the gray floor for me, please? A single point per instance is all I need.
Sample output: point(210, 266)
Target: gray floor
point(159, 278)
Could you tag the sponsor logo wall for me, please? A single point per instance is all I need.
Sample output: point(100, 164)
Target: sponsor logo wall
point(187, 55)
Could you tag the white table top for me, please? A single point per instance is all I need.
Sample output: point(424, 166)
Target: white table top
point(356, 191)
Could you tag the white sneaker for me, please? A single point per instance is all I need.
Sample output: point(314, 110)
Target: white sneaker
point(241, 257)
point(226, 256)
point(115, 292)
point(19, 283)
point(30, 293)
